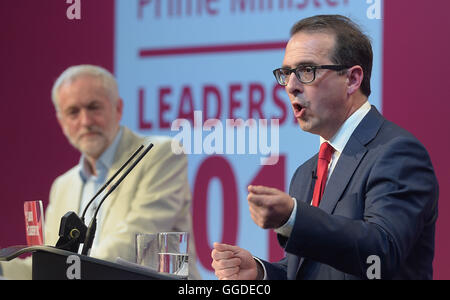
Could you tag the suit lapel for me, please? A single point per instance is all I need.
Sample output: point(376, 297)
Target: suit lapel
point(76, 186)
point(302, 189)
point(346, 166)
point(350, 158)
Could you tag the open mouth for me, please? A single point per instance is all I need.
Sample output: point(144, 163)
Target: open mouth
point(298, 109)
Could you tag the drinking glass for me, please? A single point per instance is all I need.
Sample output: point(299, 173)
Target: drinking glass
point(147, 249)
point(173, 253)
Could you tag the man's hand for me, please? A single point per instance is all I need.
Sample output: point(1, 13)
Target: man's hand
point(269, 208)
point(234, 263)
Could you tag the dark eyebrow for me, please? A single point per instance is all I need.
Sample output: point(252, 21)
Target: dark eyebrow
point(94, 102)
point(69, 109)
point(303, 63)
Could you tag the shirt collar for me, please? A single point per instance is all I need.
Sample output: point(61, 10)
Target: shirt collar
point(340, 139)
point(104, 163)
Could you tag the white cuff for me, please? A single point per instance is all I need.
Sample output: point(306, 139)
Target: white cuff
point(286, 229)
point(264, 268)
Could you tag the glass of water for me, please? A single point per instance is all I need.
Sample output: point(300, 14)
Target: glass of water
point(147, 249)
point(173, 253)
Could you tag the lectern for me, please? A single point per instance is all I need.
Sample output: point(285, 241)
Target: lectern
point(50, 263)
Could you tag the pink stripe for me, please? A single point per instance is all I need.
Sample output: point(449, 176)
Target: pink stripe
point(212, 49)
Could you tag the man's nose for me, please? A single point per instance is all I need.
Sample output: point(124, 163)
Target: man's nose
point(86, 118)
point(294, 85)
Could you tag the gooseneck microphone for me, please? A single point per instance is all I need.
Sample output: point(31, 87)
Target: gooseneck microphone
point(72, 230)
point(90, 234)
point(109, 181)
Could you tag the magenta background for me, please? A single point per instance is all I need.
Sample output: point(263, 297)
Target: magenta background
point(38, 42)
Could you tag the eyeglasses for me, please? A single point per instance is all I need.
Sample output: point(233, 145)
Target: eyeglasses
point(305, 74)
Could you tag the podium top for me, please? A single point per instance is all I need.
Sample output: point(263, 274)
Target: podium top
point(60, 256)
point(12, 252)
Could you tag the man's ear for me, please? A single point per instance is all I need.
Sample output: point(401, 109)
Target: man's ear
point(355, 76)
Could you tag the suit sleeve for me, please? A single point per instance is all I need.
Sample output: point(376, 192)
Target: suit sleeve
point(399, 196)
point(277, 270)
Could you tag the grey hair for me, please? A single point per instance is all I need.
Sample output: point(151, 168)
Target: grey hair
point(72, 73)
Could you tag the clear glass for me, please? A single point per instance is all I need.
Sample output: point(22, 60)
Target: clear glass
point(147, 249)
point(173, 253)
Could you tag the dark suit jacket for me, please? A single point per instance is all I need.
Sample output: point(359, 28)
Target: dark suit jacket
point(381, 199)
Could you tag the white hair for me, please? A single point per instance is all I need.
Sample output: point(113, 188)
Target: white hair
point(72, 73)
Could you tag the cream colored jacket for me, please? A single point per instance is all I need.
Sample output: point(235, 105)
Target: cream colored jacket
point(154, 197)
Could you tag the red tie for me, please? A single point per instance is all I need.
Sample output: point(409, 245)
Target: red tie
point(325, 153)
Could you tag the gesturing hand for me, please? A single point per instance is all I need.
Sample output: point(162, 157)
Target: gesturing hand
point(234, 263)
point(269, 207)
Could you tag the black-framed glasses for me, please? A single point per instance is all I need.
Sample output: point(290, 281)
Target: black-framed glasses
point(305, 74)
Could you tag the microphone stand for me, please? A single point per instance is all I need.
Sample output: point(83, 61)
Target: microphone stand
point(109, 181)
point(72, 230)
point(90, 234)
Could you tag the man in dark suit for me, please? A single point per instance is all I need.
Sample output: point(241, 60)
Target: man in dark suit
point(366, 206)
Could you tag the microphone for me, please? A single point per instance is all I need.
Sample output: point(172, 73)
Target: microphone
point(90, 234)
point(72, 230)
point(109, 181)
point(313, 174)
